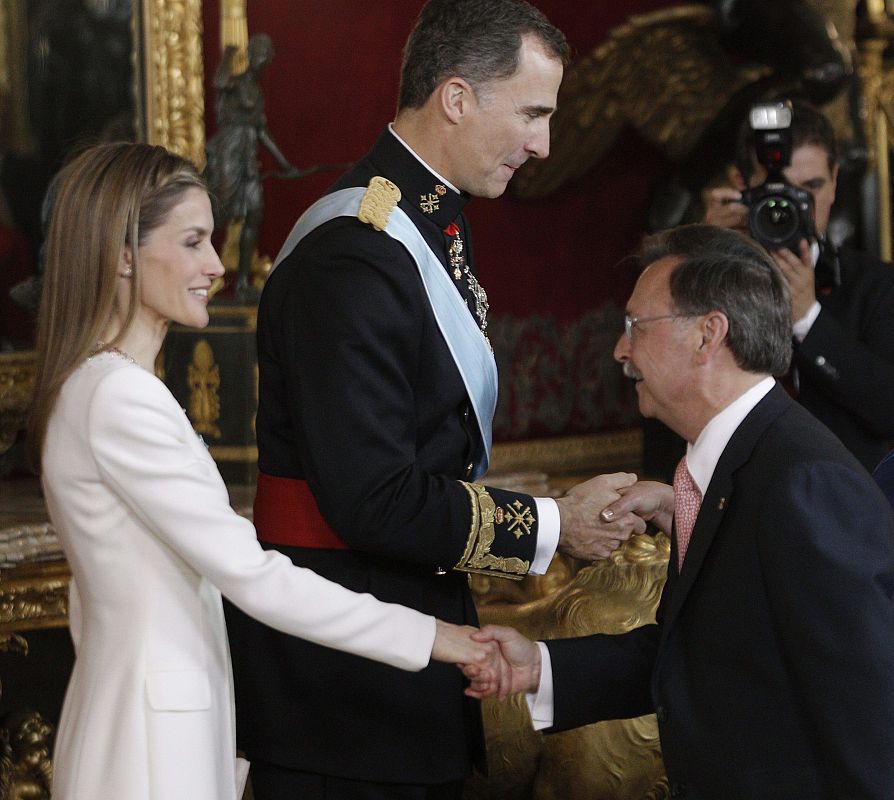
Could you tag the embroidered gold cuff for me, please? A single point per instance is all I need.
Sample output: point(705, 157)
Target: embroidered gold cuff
point(477, 556)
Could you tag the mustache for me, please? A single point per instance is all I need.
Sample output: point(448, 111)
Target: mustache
point(631, 372)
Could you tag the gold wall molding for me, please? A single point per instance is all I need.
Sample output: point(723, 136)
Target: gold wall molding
point(565, 455)
point(246, 452)
point(174, 76)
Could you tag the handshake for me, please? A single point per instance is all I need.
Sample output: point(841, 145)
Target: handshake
point(596, 517)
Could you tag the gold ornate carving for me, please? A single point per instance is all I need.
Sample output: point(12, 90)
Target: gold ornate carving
point(26, 771)
point(172, 61)
point(477, 557)
point(203, 379)
point(36, 599)
point(379, 201)
point(16, 387)
point(620, 759)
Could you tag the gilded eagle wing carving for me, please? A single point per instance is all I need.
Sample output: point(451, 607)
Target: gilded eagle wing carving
point(664, 74)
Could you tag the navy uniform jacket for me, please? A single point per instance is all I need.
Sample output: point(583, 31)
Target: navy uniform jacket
point(771, 668)
point(360, 397)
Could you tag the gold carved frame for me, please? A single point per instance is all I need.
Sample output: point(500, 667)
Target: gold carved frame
point(173, 71)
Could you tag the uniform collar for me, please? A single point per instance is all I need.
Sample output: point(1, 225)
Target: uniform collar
point(420, 186)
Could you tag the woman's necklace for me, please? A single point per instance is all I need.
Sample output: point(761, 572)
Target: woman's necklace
point(102, 347)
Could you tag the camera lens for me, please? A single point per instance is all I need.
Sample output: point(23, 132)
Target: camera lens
point(774, 220)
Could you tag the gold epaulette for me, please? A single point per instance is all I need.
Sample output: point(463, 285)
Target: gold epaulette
point(482, 533)
point(379, 201)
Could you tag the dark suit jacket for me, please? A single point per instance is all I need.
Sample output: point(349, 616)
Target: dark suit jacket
point(360, 396)
point(846, 362)
point(771, 668)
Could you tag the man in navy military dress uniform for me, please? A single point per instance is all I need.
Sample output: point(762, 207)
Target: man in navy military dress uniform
point(377, 390)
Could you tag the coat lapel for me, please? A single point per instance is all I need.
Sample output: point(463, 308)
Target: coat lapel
point(718, 496)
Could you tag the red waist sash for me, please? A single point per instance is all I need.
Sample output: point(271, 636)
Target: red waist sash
point(286, 512)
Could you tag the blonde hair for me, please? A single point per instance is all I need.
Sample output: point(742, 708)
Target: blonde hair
point(108, 197)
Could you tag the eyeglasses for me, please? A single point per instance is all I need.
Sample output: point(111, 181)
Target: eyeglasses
point(631, 322)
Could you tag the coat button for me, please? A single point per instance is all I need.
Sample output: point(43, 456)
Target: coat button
point(678, 790)
point(661, 714)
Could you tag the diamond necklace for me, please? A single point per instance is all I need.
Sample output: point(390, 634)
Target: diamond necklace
point(102, 347)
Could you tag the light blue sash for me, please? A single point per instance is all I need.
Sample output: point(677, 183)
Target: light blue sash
point(464, 338)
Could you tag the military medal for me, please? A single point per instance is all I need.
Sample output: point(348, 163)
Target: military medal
point(459, 267)
point(456, 258)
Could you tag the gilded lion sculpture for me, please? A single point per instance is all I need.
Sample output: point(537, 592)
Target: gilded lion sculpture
point(612, 760)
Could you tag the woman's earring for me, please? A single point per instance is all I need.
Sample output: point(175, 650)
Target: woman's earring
point(127, 273)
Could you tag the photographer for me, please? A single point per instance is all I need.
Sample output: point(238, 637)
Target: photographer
point(842, 300)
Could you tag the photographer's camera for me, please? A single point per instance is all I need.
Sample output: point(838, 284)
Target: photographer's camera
point(780, 215)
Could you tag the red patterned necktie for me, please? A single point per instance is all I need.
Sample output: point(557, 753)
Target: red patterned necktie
point(687, 501)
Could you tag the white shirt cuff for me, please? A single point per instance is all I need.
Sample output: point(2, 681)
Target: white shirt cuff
point(802, 327)
point(547, 534)
point(540, 703)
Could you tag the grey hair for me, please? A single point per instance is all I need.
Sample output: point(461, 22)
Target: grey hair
point(723, 270)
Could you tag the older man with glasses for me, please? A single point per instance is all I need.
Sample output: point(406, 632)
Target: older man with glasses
point(771, 665)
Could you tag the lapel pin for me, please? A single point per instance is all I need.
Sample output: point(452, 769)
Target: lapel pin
point(721, 504)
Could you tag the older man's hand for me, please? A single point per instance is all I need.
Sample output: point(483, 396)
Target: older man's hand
point(583, 533)
point(650, 500)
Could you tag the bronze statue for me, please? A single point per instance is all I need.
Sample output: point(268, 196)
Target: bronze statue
point(232, 164)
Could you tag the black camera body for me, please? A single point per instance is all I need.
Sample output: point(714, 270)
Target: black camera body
point(780, 215)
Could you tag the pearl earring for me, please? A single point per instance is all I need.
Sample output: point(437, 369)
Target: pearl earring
point(127, 273)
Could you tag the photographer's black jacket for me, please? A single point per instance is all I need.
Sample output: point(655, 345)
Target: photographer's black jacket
point(846, 362)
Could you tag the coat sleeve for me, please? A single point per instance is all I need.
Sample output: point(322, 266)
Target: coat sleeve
point(351, 333)
point(602, 676)
point(827, 557)
point(139, 442)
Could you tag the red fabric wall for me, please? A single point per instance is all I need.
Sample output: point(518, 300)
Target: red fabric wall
point(330, 90)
